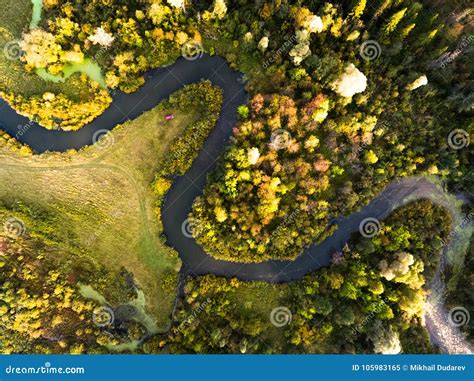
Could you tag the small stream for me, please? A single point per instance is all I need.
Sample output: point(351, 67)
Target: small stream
point(36, 14)
point(439, 323)
point(87, 66)
point(134, 310)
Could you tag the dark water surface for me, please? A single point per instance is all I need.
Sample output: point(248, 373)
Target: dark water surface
point(160, 84)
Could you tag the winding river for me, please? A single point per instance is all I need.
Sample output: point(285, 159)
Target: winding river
point(159, 84)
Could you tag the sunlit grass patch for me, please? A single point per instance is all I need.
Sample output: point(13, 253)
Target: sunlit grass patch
point(100, 202)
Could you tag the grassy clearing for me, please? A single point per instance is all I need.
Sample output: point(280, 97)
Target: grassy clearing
point(254, 68)
point(99, 202)
point(14, 20)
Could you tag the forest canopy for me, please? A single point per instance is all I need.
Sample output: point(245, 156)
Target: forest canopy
point(344, 98)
